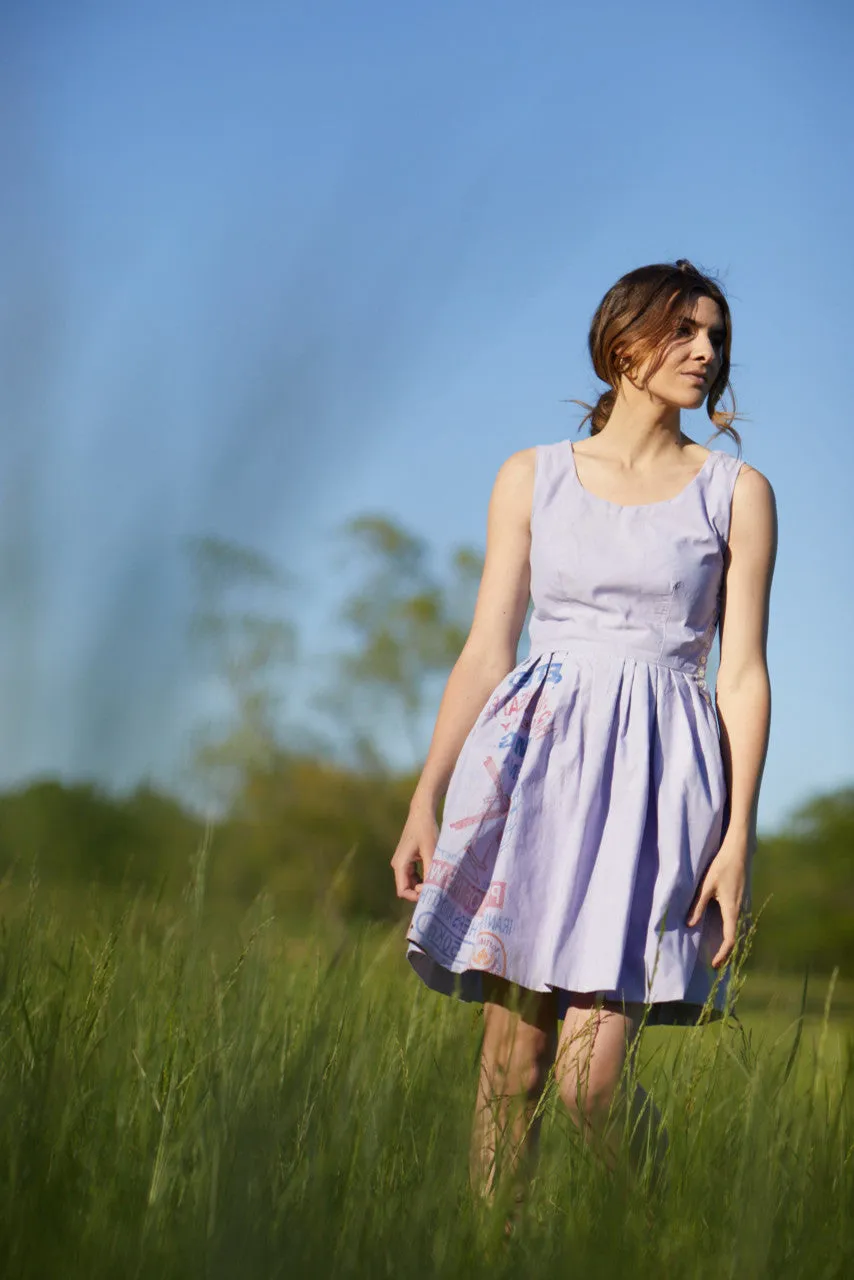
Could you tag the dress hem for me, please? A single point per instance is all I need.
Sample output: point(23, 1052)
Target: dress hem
point(466, 985)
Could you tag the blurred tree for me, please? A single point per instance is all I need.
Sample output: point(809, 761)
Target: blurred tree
point(804, 875)
point(317, 836)
point(80, 835)
point(251, 654)
point(409, 626)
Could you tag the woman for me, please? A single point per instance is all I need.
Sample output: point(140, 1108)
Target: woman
point(599, 823)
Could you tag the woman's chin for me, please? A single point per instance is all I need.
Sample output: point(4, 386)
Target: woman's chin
point(692, 399)
point(682, 394)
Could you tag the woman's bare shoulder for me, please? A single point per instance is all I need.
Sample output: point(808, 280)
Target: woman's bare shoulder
point(747, 469)
point(753, 526)
point(522, 462)
point(513, 491)
point(753, 497)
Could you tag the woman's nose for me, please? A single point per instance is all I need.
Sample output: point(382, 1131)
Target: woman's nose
point(705, 348)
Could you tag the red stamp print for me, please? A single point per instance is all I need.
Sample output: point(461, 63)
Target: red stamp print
point(542, 723)
point(497, 804)
point(495, 895)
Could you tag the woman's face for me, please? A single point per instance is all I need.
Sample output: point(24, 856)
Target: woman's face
point(695, 349)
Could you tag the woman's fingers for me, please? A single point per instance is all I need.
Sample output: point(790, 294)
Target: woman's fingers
point(405, 861)
point(729, 915)
point(403, 864)
point(415, 846)
point(695, 915)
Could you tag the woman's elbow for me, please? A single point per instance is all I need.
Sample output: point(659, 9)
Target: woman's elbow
point(735, 678)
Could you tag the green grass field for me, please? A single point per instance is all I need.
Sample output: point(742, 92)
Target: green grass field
point(181, 1099)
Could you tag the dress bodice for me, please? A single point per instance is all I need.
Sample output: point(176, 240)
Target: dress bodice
point(641, 581)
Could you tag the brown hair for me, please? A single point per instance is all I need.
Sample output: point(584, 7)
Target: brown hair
point(635, 319)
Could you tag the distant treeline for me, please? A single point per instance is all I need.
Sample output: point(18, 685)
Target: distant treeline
point(315, 829)
point(317, 836)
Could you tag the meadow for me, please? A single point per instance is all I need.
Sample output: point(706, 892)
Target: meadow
point(185, 1095)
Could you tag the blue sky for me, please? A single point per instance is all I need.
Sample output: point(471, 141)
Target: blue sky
point(268, 266)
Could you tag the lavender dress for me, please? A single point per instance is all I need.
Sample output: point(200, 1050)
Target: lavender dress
point(589, 796)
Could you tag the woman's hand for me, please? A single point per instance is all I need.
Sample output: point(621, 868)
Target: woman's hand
point(725, 880)
point(416, 844)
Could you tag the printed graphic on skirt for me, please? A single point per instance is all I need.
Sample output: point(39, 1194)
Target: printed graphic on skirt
point(463, 918)
point(460, 941)
point(489, 954)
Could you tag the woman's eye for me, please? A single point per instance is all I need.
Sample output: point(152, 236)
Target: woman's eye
point(685, 330)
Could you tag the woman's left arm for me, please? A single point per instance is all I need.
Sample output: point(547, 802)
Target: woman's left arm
point(742, 693)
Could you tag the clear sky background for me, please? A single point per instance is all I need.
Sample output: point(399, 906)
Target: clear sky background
point(267, 266)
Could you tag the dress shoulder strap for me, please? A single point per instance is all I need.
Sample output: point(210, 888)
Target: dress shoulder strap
point(550, 475)
point(719, 488)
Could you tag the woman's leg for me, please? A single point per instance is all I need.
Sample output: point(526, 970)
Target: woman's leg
point(519, 1040)
point(594, 1041)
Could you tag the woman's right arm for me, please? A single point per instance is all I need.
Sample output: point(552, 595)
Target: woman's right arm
point(488, 655)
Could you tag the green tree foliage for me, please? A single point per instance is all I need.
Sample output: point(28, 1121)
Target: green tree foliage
point(315, 835)
point(248, 651)
point(408, 625)
point(80, 835)
point(805, 875)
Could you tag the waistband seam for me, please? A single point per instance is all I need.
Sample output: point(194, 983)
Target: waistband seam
point(693, 669)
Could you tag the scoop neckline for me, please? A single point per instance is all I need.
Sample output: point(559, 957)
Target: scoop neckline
point(639, 506)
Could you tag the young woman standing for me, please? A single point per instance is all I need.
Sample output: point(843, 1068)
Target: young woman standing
point(599, 822)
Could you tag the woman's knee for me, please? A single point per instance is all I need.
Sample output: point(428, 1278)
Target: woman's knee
point(517, 1060)
point(532, 1059)
point(588, 1096)
point(591, 1057)
point(517, 1054)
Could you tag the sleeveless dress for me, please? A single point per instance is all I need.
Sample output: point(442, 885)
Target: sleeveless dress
point(589, 796)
